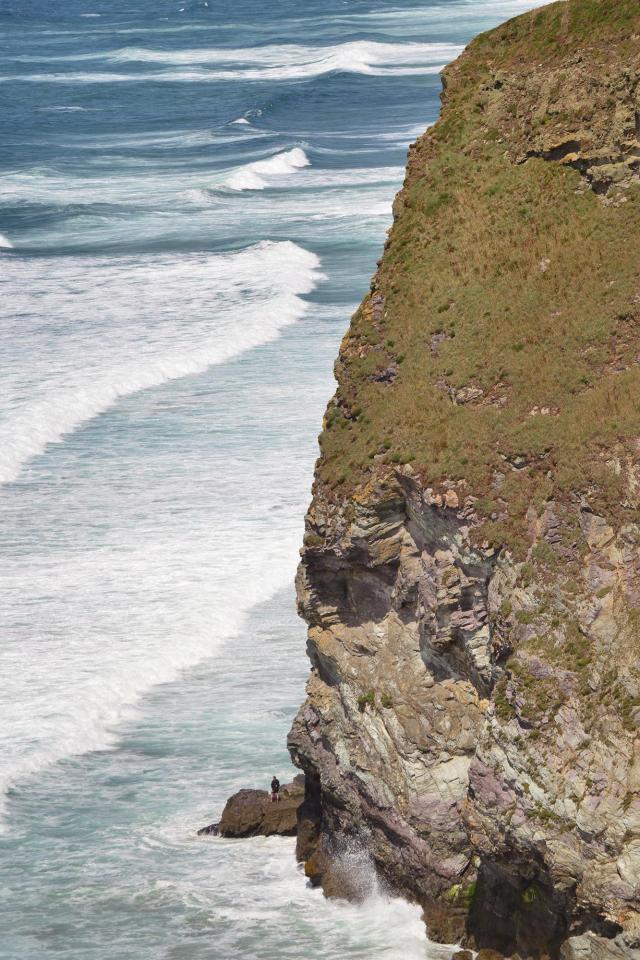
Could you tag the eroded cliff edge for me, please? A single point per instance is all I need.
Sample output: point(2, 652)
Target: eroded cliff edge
point(471, 567)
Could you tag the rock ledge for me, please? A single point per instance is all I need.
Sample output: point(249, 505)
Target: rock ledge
point(250, 813)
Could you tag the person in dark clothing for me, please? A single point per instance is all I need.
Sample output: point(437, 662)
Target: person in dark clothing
point(275, 789)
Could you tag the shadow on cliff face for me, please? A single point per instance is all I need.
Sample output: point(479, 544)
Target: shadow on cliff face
point(381, 569)
point(356, 593)
point(356, 586)
point(516, 915)
point(396, 589)
point(513, 916)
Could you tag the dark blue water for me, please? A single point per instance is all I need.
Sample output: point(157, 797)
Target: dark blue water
point(193, 197)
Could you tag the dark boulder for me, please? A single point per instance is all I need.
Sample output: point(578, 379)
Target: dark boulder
point(250, 813)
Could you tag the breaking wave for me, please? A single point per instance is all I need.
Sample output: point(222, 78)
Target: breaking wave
point(219, 306)
point(257, 175)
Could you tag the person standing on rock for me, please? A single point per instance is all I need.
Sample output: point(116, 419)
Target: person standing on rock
point(275, 789)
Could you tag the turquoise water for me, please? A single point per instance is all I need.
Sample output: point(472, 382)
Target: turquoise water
point(194, 195)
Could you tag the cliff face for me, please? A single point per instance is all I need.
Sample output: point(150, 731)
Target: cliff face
point(471, 567)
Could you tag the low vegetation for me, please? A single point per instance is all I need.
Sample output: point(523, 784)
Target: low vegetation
point(499, 345)
point(365, 700)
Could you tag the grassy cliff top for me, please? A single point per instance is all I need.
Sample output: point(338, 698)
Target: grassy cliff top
point(499, 347)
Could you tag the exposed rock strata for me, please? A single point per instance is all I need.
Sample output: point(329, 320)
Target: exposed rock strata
point(472, 712)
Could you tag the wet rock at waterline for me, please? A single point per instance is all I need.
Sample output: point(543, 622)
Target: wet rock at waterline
point(250, 813)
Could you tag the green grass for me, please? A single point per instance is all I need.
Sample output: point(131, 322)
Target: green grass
point(365, 700)
point(534, 286)
point(557, 30)
point(504, 709)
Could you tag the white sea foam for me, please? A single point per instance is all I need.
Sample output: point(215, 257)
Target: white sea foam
point(276, 905)
point(486, 13)
point(258, 175)
point(353, 177)
point(421, 17)
point(194, 209)
point(5, 243)
point(235, 302)
point(358, 55)
point(86, 678)
point(379, 925)
point(273, 62)
point(63, 109)
point(288, 168)
point(363, 208)
point(167, 580)
point(404, 134)
point(499, 9)
point(166, 139)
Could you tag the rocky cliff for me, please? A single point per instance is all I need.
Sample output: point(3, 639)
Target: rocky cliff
point(471, 566)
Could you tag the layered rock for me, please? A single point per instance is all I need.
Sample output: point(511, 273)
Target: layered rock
point(471, 568)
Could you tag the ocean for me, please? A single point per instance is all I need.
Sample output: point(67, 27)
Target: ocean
point(193, 197)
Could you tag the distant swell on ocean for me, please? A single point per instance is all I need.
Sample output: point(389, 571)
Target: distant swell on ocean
point(279, 62)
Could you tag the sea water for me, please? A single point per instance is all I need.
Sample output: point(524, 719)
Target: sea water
point(193, 197)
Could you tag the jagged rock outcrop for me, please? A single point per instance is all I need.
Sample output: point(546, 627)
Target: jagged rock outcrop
point(471, 567)
point(250, 813)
